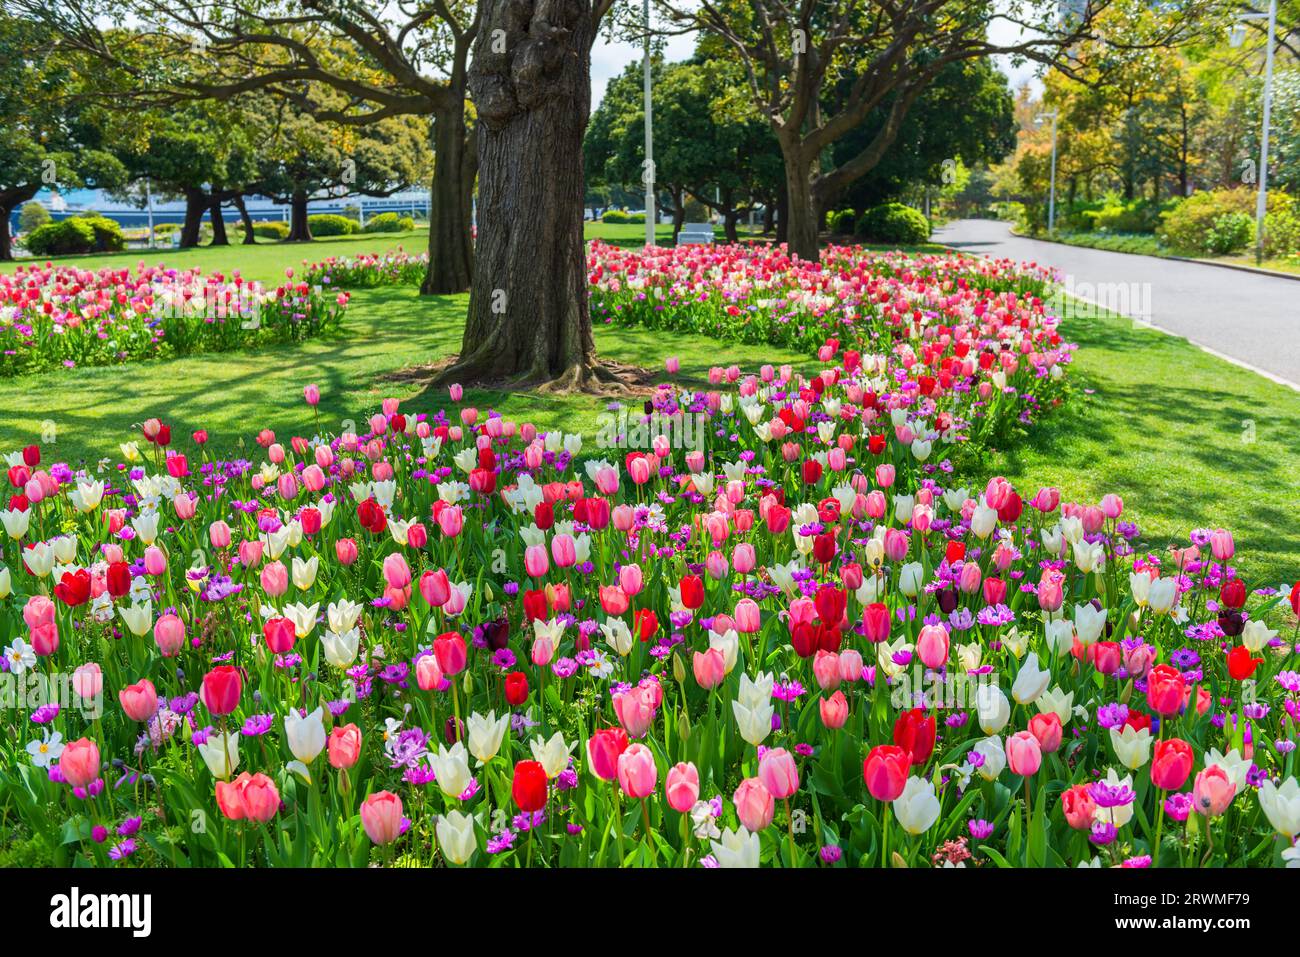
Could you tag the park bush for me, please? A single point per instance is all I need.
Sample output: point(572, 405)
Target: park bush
point(1190, 225)
point(389, 223)
point(75, 235)
point(1115, 215)
point(272, 229)
point(1230, 233)
point(621, 217)
point(331, 224)
point(841, 222)
point(893, 223)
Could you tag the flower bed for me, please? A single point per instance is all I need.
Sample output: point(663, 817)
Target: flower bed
point(763, 627)
point(61, 316)
point(368, 271)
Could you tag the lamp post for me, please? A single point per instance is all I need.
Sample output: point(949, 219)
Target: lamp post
point(648, 174)
point(1237, 35)
point(1051, 196)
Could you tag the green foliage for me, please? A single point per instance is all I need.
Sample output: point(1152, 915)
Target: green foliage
point(331, 224)
point(33, 214)
point(1200, 224)
point(841, 222)
point(621, 217)
point(272, 229)
point(389, 223)
point(893, 223)
point(1230, 233)
point(77, 234)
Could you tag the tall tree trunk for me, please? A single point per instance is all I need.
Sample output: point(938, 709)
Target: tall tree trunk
point(769, 217)
point(195, 204)
point(729, 217)
point(679, 212)
point(451, 247)
point(530, 79)
point(299, 228)
point(805, 217)
point(219, 237)
point(250, 238)
point(6, 247)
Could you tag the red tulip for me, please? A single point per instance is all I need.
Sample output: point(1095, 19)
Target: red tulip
point(280, 635)
point(603, 749)
point(1171, 763)
point(516, 688)
point(914, 733)
point(1166, 690)
point(221, 689)
point(1240, 664)
point(885, 771)
point(692, 591)
point(1233, 593)
point(529, 786)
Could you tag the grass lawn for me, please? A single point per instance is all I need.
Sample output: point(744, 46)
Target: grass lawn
point(1186, 439)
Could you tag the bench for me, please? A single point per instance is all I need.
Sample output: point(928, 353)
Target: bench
point(698, 233)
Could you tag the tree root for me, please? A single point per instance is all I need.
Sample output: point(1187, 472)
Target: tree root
point(603, 378)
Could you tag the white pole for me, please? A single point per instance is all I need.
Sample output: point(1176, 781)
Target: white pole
point(648, 175)
point(1261, 202)
point(1051, 202)
point(148, 197)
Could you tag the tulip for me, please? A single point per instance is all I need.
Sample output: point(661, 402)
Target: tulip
point(1281, 805)
point(1172, 764)
point(1046, 728)
point(885, 771)
point(486, 734)
point(1079, 808)
point(306, 735)
point(528, 788)
point(344, 746)
point(456, 836)
point(140, 700)
point(754, 804)
point(451, 768)
point(449, 648)
point(834, 710)
point(381, 816)
point(914, 732)
point(682, 787)
point(637, 774)
point(932, 646)
point(1166, 690)
point(169, 635)
point(79, 762)
point(1024, 754)
point(916, 807)
point(1212, 791)
point(779, 773)
point(221, 689)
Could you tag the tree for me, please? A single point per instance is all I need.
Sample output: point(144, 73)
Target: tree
point(530, 79)
point(386, 60)
point(795, 53)
point(48, 138)
point(966, 115)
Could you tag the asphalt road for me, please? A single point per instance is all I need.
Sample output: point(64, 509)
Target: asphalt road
point(1251, 319)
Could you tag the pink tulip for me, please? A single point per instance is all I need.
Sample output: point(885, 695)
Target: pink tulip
point(682, 787)
point(754, 804)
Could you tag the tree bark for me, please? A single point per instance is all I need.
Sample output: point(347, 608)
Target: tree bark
point(6, 246)
point(783, 214)
point(801, 204)
point(299, 228)
point(219, 237)
point(679, 213)
point(451, 246)
point(195, 205)
point(530, 79)
point(250, 238)
point(769, 217)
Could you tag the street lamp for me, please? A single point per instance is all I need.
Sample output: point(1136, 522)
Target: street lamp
point(1051, 199)
point(648, 173)
point(1237, 35)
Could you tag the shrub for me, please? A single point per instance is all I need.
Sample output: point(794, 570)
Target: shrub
point(1230, 233)
point(389, 223)
point(841, 222)
point(618, 216)
point(272, 229)
point(166, 229)
point(32, 216)
point(77, 234)
point(1118, 216)
point(331, 224)
point(1188, 225)
point(893, 223)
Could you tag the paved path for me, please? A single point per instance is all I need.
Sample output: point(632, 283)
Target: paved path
point(1250, 319)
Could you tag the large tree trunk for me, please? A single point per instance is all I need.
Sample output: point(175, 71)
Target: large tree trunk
point(451, 247)
point(219, 237)
point(769, 217)
point(6, 247)
point(250, 238)
point(801, 204)
point(299, 228)
point(679, 213)
point(530, 80)
point(195, 205)
point(783, 214)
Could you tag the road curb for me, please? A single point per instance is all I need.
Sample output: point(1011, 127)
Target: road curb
point(1239, 267)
